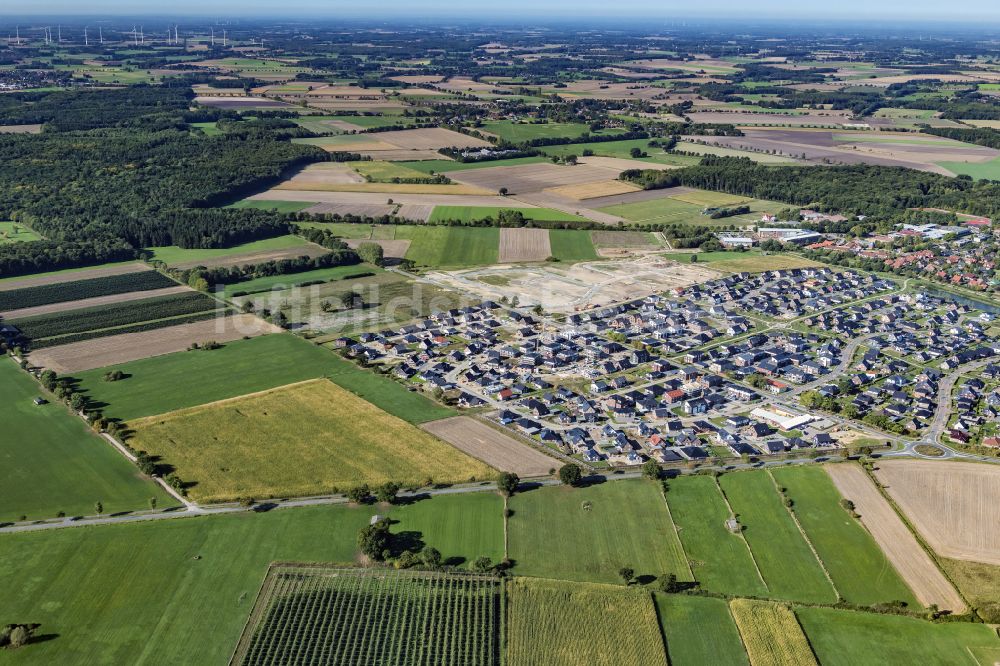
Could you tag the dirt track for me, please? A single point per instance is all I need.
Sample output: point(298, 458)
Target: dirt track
point(71, 276)
point(494, 448)
point(895, 539)
point(97, 300)
point(101, 352)
point(518, 245)
point(953, 505)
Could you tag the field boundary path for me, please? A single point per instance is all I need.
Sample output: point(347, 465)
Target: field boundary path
point(892, 535)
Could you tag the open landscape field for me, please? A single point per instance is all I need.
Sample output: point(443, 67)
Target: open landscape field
point(397, 145)
point(699, 630)
point(771, 634)
point(124, 347)
point(499, 451)
point(280, 247)
point(11, 232)
point(524, 245)
point(904, 552)
point(475, 213)
point(79, 291)
point(617, 524)
point(950, 505)
point(71, 275)
point(52, 462)
point(261, 445)
point(451, 246)
point(554, 623)
point(324, 615)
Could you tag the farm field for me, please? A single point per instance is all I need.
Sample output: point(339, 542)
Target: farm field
point(860, 571)
point(322, 615)
point(451, 246)
point(106, 604)
point(71, 274)
point(520, 132)
point(499, 451)
point(174, 255)
point(22, 233)
point(843, 637)
point(745, 262)
point(52, 462)
point(619, 239)
point(571, 245)
point(622, 150)
point(989, 170)
point(77, 290)
point(771, 634)
point(524, 245)
point(475, 213)
point(438, 166)
point(902, 549)
point(699, 630)
point(289, 280)
point(949, 505)
point(621, 523)
point(762, 158)
point(189, 378)
point(148, 339)
point(720, 559)
point(384, 172)
point(783, 556)
point(261, 445)
point(554, 623)
point(461, 527)
point(278, 206)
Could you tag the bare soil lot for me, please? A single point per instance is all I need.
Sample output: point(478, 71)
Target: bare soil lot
point(325, 173)
point(114, 349)
point(20, 129)
point(594, 190)
point(911, 561)
point(493, 447)
point(72, 276)
point(952, 504)
point(430, 138)
point(308, 250)
point(97, 300)
point(520, 245)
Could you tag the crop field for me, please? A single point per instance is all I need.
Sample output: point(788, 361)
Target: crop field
point(749, 262)
point(623, 150)
point(306, 278)
point(90, 303)
point(618, 524)
point(892, 535)
point(594, 190)
point(52, 462)
point(189, 378)
point(851, 638)
point(277, 206)
point(554, 623)
point(699, 630)
point(950, 505)
point(720, 559)
point(571, 245)
point(384, 172)
point(520, 245)
point(475, 213)
point(29, 297)
point(451, 246)
point(518, 132)
point(70, 275)
point(706, 198)
point(380, 187)
point(11, 232)
point(783, 556)
point(148, 339)
point(771, 634)
point(631, 239)
point(499, 451)
point(861, 572)
point(393, 142)
point(52, 329)
point(320, 615)
point(438, 166)
point(172, 255)
point(261, 445)
point(989, 170)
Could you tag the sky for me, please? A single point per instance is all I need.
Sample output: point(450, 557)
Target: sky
point(851, 10)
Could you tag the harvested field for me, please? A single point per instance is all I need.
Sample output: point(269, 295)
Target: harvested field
point(363, 210)
point(520, 245)
point(324, 173)
point(97, 300)
point(620, 164)
point(418, 212)
point(430, 139)
point(771, 634)
point(302, 439)
point(308, 250)
point(493, 447)
point(392, 249)
point(555, 623)
point(900, 546)
point(600, 188)
point(750, 118)
point(639, 196)
point(20, 129)
point(387, 188)
point(241, 103)
point(531, 177)
point(97, 353)
point(72, 275)
point(369, 198)
point(952, 505)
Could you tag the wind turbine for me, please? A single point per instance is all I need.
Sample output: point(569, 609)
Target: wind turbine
point(86, 38)
point(213, 35)
point(101, 30)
